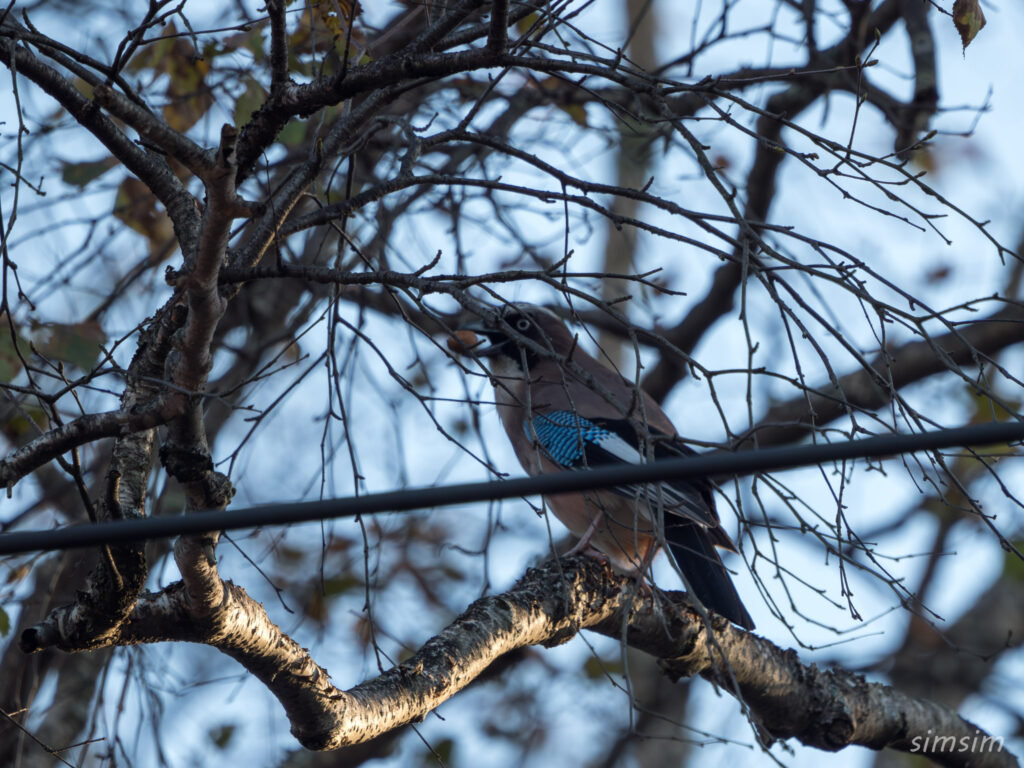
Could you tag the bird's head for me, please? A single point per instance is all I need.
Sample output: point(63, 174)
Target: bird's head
point(516, 330)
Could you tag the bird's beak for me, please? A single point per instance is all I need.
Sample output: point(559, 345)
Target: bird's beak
point(471, 338)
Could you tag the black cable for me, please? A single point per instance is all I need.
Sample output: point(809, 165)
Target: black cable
point(707, 465)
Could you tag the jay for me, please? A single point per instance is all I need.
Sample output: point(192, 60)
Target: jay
point(565, 410)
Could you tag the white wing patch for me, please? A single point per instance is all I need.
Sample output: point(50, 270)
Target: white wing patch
point(575, 442)
point(567, 437)
point(619, 448)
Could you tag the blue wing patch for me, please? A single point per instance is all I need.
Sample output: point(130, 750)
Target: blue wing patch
point(571, 440)
point(575, 442)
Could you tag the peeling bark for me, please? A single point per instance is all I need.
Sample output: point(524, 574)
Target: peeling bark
point(826, 709)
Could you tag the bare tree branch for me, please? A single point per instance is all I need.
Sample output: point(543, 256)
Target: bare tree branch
point(873, 388)
point(394, 175)
point(828, 710)
point(81, 431)
point(151, 169)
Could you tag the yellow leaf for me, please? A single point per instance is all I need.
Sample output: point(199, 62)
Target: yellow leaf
point(17, 574)
point(80, 174)
point(221, 735)
point(293, 134)
point(153, 55)
point(84, 88)
point(77, 343)
point(136, 206)
point(24, 424)
point(250, 100)
point(10, 359)
point(526, 23)
point(577, 112)
point(969, 19)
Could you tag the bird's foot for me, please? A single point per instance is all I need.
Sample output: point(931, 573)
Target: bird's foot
point(583, 548)
point(597, 555)
point(583, 545)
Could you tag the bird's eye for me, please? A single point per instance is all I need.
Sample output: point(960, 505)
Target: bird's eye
point(522, 325)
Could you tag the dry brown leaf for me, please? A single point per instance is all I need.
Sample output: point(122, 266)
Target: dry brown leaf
point(969, 19)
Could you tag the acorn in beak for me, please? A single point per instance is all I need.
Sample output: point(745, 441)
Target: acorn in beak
point(479, 337)
point(465, 341)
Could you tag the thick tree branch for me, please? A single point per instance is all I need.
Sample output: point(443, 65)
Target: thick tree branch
point(497, 35)
point(186, 453)
point(289, 100)
point(431, 67)
point(115, 583)
point(151, 169)
point(278, 46)
point(913, 119)
point(267, 228)
point(82, 431)
point(155, 130)
point(183, 357)
point(433, 35)
point(205, 305)
point(828, 710)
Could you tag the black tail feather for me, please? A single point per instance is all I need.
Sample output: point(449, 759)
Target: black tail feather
point(695, 554)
